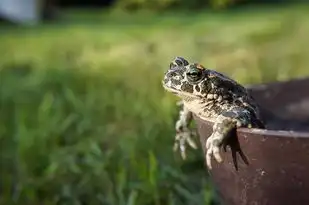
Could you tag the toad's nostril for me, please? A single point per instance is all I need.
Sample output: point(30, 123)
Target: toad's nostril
point(173, 65)
point(171, 75)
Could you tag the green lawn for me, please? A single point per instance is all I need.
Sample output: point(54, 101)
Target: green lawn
point(83, 116)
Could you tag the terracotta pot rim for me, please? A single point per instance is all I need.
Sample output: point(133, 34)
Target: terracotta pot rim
point(268, 132)
point(273, 133)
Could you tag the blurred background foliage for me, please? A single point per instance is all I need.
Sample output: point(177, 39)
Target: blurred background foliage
point(83, 116)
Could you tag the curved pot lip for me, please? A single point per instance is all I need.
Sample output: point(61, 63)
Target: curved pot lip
point(273, 133)
point(263, 132)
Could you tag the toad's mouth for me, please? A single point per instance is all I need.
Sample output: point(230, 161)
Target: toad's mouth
point(171, 89)
point(180, 93)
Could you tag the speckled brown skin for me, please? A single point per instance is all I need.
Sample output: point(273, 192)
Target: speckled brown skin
point(211, 96)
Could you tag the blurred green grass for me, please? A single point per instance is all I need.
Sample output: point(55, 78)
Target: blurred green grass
point(83, 116)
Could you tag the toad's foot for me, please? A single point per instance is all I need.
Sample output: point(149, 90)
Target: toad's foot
point(213, 145)
point(224, 124)
point(184, 135)
point(183, 138)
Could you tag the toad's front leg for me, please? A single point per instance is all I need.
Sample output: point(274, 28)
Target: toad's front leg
point(224, 124)
point(183, 132)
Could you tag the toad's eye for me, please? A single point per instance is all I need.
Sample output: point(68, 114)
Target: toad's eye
point(194, 74)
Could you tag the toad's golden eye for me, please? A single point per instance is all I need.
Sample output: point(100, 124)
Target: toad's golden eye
point(194, 74)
